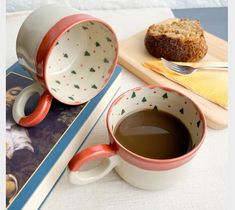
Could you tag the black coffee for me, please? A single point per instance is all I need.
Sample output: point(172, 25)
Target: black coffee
point(154, 134)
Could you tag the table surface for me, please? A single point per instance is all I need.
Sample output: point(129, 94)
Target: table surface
point(202, 189)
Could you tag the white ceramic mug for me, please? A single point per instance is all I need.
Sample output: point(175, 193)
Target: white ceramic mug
point(139, 171)
point(70, 55)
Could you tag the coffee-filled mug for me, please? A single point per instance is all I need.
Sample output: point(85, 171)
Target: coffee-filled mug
point(71, 57)
point(140, 171)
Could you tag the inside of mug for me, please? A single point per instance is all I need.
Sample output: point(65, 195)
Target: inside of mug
point(81, 62)
point(157, 99)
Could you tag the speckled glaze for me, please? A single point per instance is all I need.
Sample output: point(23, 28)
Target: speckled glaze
point(70, 55)
point(80, 62)
point(142, 172)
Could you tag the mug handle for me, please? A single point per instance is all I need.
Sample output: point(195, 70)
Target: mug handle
point(97, 151)
point(39, 112)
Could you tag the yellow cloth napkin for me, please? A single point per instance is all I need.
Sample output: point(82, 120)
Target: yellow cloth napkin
point(210, 84)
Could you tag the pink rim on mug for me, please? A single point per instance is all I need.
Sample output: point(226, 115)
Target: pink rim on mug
point(107, 151)
point(54, 34)
point(148, 163)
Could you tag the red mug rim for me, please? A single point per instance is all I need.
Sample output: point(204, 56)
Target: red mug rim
point(183, 158)
point(50, 39)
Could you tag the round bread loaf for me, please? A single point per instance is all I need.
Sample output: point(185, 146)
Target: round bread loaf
point(181, 40)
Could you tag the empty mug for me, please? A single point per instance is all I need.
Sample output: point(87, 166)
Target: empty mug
point(71, 57)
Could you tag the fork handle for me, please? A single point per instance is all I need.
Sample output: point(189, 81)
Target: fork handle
point(213, 67)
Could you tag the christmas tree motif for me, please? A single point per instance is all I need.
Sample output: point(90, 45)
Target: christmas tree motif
point(92, 70)
point(133, 95)
point(91, 23)
point(73, 72)
point(144, 99)
point(165, 96)
point(97, 44)
point(87, 53)
point(54, 89)
point(122, 112)
point(106, 60)
point(108, 39)
point(155, 108)
point(70, 97)
point(84, 27)
point(182, 111)
point(58, 82)
point(65, 55)
point(94, 86)
point(77, 86)
point(198, 123)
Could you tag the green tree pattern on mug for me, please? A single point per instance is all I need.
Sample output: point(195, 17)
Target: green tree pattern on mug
point(86, 77)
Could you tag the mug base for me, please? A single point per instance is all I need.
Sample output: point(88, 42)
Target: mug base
point(148, 179)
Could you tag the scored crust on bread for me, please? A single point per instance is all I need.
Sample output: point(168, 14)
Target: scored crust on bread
point(181, 40)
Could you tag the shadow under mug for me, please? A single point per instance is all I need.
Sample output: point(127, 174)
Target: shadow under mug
point(70, 56)
point(139, 171)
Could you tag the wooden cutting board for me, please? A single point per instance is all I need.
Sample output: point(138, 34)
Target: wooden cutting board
point(133, 54)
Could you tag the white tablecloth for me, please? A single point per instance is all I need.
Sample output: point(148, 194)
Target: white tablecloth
point(202, 189)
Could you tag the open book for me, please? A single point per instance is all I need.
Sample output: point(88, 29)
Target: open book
point(36, 157)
